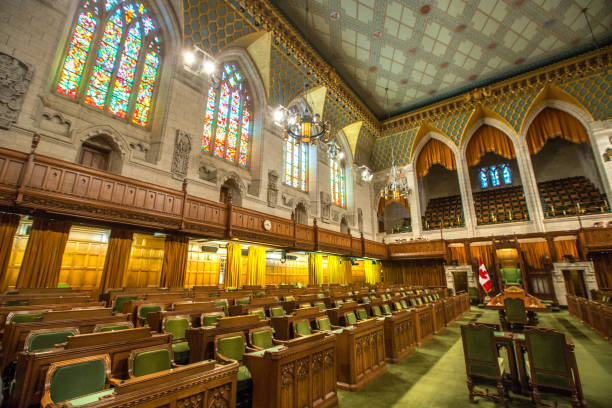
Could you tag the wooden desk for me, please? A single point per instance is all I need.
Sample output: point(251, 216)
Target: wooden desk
point(360, 354)
point(155, 319)
point(532, 305)
point(283, 326)
point(32, 367)
point(300, 373)
point(400, 333)
point(439, 319)
point(424, 324)
point(201, 339)
point(336, 314)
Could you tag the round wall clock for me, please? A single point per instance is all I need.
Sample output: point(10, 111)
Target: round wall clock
point(267, 224)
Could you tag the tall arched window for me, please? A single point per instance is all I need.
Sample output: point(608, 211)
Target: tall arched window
point(227, 123)
point(296, 164)
point(336, 171)
point(115, 46)
point(484, 180)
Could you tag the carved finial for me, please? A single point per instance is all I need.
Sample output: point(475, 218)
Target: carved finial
point(292, 215)
point(184, 185)
point(229, 197)
point(314, 221)
point(35, 141)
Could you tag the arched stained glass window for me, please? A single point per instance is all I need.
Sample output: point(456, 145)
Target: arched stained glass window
point(338, 194)
point(494, 176)
point(120, 39)
point(484, 180)
point(227, 121)
point(296, 164)
point(506, 174)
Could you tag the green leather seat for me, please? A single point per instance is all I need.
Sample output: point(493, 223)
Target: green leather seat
point(151, 361)
point(339, 303)
point(48, 339)
point(178, 327)
point(362, 314)
point(289, 298)
point(260, 293)
point(113, 327)
point(320, 305)
point(262, 338)
point(120, 300)
point(350, 318)
point(324, 324)
point(210, 319)
point(302, 328)
point(144, 310)
point(376, 311)
point(404, 304)
point(511, 276)
point(17, 302)
point(397, 305)
point(386, 309)
point(259, 313)
point(221, 303)
point(233, 348)
point(277, 311)
point(365, 299)
point(320, 295)
point(24, 317)
point(413, 302)
point(242, 301)
point(419, 301)
point(79, 383)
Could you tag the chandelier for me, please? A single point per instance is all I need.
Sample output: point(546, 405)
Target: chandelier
point(301, 125)
point(398, 186)
point(365, 173)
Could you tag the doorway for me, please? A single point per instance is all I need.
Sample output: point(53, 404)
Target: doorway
point(574, 283)
point(461, 284)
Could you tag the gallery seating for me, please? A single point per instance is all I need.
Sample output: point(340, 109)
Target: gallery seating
point(445, 210)
point(565, 197)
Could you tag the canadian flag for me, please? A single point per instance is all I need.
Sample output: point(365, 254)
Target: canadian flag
point(483, 276)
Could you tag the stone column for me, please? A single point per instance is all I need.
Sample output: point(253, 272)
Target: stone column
point(530, 185)
point(467, 200)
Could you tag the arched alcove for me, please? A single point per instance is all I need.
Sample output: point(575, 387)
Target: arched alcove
point(102, 153)
point(344, 227)
point(301, 214)
point(230, 186)
point(394, 216)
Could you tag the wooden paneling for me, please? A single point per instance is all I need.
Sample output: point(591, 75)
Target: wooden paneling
point(375, 249)
point(288, 272)
point(418, 249)
point(335, 242)
point(146, 259)
point(202, 267)
point(83, 258)
point(596, 239)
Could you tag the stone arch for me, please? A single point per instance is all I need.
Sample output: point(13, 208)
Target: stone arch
point(344, 226)
point(301, 212)
point(106, 138)
point(233, 184)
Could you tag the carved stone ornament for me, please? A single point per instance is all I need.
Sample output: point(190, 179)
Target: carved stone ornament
point(15, 77)
point(208, 173)
point(325, 206)
point(182, 150)
point(272, 189)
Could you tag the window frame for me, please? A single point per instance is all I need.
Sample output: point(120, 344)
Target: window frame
point(304, 151)
point(342, 183)
point(499, 169)
point(90, 60)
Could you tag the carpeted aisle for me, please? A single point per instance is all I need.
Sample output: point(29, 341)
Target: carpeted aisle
point(434, 375)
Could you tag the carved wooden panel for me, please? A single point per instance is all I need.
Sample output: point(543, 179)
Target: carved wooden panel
point(335, 241)
point(375, 249)
point(596, 238)
point(304, 236)
point(219, 397)
point(418, 249)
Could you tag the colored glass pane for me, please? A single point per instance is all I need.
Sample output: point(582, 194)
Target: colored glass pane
point(125, 74)
point(111, 3)
point(289, 146)
point(494, 175)
point(222, 121)
point(208, 119)
point(234, 122)
point(303, 164)
point(484, 181)
point(244, 138)
point(100, 79)
point(506, 174)
point(145, 88)
point(78, 50)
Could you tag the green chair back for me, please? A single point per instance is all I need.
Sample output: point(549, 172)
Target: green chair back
point(547, 362)
point(262, 339)
point(413, 302)
point(376, 311)
point(515, 310)
point(259, 313)
point(242, 301)
point(511, 276)
point(221, 303)
point(304, 305)
point(404, 304)
point(231, 347)
point(419, 301)
point(120, 300)
point(78, 379)
point(260, 293)
point(339, 302)
point(386, 308)
point(324, 324)
point(277, 311)
point(213, 294)
point(151, 361)
point(365, 299)
point(144, 310)
point(290, 298)
point(302, 328)
point(47, 340)
point(25, 317)
point(21, 302)
point(210, 319)
point(112, 327)
point(63, 286)
point(479, 351)
point(320, 305)
point(362, 314)
point(177, 327)
point(320, 295)
point(397, 305)
point(350, 318)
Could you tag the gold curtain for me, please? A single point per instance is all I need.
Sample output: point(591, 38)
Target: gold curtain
point(234, 264)
point(117, 259)
point(315, 269)
point(384, 202)
point(8, 228)
point(551, 123)
point(565, 247)
point(376, 268)
point(459, 254)
point(486, 253)
point(346, 271)
point(256, 266)
point(42, 259)
point(534, 253)
point(333, 268)
point(488, 139)
point(174, 265)
point(435, 152)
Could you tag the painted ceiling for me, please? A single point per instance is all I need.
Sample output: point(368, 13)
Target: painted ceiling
point(425, 51)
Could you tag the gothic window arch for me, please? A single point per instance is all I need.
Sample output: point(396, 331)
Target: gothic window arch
point(227, 122)
point(112, 59)
point(296, 164)
point(338, 184)
point(495, 176)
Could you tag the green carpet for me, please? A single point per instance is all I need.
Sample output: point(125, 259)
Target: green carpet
point(434, 375)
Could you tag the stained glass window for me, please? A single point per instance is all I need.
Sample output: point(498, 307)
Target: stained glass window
point(124, 71)
point(227, 120)
point(296, 162)
point(494, 176)
point(484, 180)
point(506, 174)
point(338, 194)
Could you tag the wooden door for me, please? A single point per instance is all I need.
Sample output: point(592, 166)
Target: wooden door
point(574, 283)
point(460, 281)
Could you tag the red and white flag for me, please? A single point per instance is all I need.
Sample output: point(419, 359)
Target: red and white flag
point(483, 276)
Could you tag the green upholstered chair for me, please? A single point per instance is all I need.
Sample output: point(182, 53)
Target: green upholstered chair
point(350, 319)
point(362, 314)
point(222, 303)
point(404, 304)
point(552, 364)
point(150, 360)
point(261, 338)
point(339, 302)
point(425, 299)
point(365, 299)
point(17, 302)
point(120, 300)
point(304, 305)
point(63, 286)
point(277, 311)
point(210, 318)
point(376, 311)
point(473, 295)
point(177, 326)
point(419, 301)
point(320, 295)
point(47, 338)
point(516, 314)
point(483, 364)
point(231, 347)
point(144, 310)
point(106, 327)
point(213, 295)
point(323, 323)
point(397, 305)
point(413, 302)
point(386, 309)
point(260, 293)
point(301, 328)
point(23, 317)
point(259, 311)
point(289, 298)
point(511, 276)
point(77, 382)
point(242, 301)
point(320, 305)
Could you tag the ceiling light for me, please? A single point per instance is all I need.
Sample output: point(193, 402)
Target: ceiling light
point(209, 67)
point(189, 57)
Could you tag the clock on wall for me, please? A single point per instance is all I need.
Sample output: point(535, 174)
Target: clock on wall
point(267, 224)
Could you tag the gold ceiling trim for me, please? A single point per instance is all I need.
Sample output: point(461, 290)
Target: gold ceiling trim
point(557, 73)
point(284, 33)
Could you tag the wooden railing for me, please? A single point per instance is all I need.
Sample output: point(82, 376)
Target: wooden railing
point(32, 182)
point(418, 249)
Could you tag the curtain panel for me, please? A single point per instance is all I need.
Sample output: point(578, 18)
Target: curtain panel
point(488, 139)
point(551, 123)
point(334, 271)
point(315, 269)
point(435, 152)
point(347, 271)
point(459, 254)
point(8, 227)
point(116, 260)
point(384, 202)
point(534, 253)
point(42, 259)
point(256, 266)
point(174, 265)
point(565, 247)
point(234, 265)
